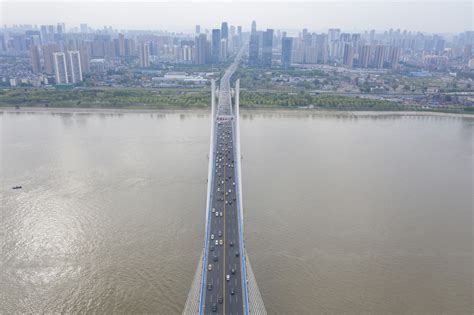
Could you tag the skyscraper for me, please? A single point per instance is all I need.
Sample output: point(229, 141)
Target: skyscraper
point(394, 56)
point(364, 56)
point(372, 36)
point(75, 69)
point(467, 51)
point(223, 50)
point(356, 39)
point(198, 29)
point(286, 49)
point(61, 27)
point(225, 35)
point(60, 68)
point(201, 49)
point(216, 45)
point(144, 53)
point(267, 48)
point(48, 57)
point(224, 30)
point(121, 42)
point(253, 49)
point(254, 28)
point(348, 55)
point(334, 34)
point(84, 28)
point(84, 53)
point(35, 59)
point(2, 43)
point(379, 57)
point(322, 48)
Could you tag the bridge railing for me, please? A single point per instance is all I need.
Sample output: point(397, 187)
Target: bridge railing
point(238, 177)
point(210, 184)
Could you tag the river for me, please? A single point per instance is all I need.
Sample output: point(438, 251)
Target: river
point(343, 214)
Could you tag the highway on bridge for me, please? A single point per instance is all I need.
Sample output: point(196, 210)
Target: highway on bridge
point(223, 279)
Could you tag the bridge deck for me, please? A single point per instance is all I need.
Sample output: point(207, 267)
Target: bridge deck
point(224, 282)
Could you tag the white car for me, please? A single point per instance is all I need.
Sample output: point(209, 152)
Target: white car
point(221, 242)
point(222, 214)
point(226, 277)
point(217, 242)
point(217, 213)
point(212, 236)
point(209, 267)
point(213, 210)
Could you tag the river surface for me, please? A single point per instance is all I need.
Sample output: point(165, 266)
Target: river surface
point(342, 214)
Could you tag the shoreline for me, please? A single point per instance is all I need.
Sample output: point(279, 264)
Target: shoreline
point(274, 110)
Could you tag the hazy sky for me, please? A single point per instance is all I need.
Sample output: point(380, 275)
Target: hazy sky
point(447, 16)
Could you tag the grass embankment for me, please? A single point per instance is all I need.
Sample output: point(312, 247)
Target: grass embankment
point(141, 98)
point(106, 98)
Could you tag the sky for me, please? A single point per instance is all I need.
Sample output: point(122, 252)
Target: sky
point(442, 16)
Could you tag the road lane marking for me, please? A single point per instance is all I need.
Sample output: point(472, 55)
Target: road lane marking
point(224, 287)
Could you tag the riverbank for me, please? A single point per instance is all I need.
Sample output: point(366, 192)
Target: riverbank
point(244, 111)
point(190, 99)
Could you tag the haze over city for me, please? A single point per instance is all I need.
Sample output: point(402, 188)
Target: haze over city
point(437, 16)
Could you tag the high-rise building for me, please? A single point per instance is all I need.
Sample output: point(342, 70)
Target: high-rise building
point(310, 54)
point(254, 49)
point(216, 45)
point(364, 56)
point(48, 57)
point(305, 32)
point(267, 48)
point(144, 54)
point(84, 53)
point(286, 50)
point(372, 37)
point(2, 43)
point(394, 56)
point(345, 37)
point(201, 51)
point(348, 55)
point(61, 27)
point(187, 52)
point(223, 50)
point(121, 45)
point(333, 34)
point(379, 56)
point(74, 69)
point(198, 29)
point(467, 52)
point(130, 49)
point(322, 47)
point(44, 33)
point(254, 28)
point(224, 30)
point(60, 68)
point(356, 40)
point(19, 42)
point(35, 59)
point(84, 28)
point(225, 35)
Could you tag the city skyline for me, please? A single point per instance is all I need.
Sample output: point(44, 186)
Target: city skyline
point(456, 16)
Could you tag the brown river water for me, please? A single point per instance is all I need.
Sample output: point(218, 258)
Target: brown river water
point(343, 214)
